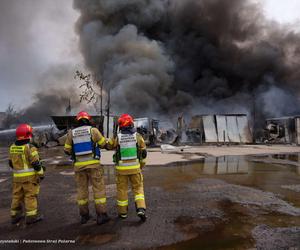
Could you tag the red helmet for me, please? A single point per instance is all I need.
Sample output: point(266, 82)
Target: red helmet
point(83, 115)
point(125, 120)
point(24, 132)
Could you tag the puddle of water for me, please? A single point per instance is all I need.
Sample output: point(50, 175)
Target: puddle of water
point(235, 233)
point(232, 169)
point(290, 157)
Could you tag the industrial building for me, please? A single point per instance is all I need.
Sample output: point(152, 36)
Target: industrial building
point(219, 128)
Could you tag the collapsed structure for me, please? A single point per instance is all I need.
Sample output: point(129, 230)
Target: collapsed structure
point(201, 129)
point(147, 127)
point(221, 128)
point(106, 125)
point(283, 130)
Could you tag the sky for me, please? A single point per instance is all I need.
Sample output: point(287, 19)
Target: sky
point(34, 37)
point(283, 11)
point(38, 35)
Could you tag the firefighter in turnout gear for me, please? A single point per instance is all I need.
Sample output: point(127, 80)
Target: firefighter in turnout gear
point(83, 144)
point(130, 158)
point(27, 173)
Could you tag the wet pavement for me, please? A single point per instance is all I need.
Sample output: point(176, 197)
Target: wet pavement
point(230, 202)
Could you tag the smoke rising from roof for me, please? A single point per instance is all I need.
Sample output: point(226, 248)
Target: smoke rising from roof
point(195, 56)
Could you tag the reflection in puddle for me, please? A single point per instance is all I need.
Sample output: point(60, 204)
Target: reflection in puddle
point(264, 173)
point(282, 159)
point(290, 157)
point(226, 165)
point(279, 175)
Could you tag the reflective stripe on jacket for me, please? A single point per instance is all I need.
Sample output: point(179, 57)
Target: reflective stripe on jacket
point(24, 173)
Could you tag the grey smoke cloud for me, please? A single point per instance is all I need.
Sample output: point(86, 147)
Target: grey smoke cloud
point(35, 37)
point(174, 56)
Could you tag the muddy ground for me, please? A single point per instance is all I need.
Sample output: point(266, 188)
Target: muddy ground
point(228, 202)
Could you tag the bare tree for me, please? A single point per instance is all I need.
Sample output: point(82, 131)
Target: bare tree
point(92, 90)
point(11, 116)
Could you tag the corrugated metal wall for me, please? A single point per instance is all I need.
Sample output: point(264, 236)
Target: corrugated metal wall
point(226, 128)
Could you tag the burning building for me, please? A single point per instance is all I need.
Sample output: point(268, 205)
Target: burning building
point(228, 128)
point(283, 130)
point(106, 126)
point(161, 58)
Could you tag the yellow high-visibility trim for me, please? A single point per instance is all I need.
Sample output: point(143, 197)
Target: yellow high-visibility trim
point(100, 201)
point(13, 212)
point(31, 213)
point(85, 163)
point(128, 167)
point(82, 202)
point(101, 141)
point(67, 146)
point(122, 203)
point(17, 149)
point(24, 174)
point(34, 153)
point(139, 197)
point(41, 172)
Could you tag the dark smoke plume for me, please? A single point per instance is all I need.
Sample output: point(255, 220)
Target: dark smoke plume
point(46, 104)
point(192, 56)
point(52, 96)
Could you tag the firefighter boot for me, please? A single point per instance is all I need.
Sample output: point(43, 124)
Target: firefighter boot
point(102, 218)
point(16, 219)
point(141, 212)
point(84, 218)
point(84, 213)
point(34, 219)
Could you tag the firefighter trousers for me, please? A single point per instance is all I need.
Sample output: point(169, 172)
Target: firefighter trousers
point(95, 176)
point(25, 193)
point(136, 181)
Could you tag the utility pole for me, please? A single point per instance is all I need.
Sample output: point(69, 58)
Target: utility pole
point(101, 98)
point(253, 116)
point(108, 107)
point(101, 125)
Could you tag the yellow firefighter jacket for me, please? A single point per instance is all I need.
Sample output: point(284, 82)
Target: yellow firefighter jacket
point(22, 157)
